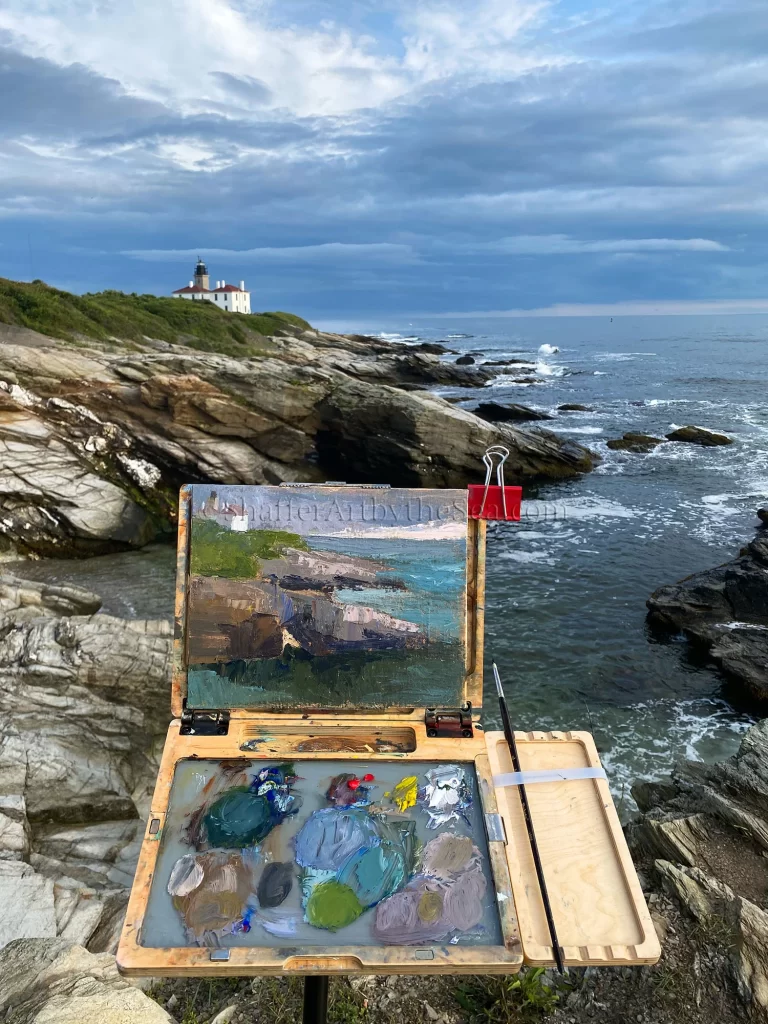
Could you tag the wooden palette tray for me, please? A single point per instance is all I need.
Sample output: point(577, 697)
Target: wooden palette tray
point(597, 903)
point(278, 737)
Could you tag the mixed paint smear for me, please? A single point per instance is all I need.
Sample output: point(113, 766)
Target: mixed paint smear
point(357, 853)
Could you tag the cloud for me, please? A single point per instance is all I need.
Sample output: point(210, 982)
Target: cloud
point(45, 100)
point(245, 87)
point(543, 245)
point(387, 155)
point(327, 252)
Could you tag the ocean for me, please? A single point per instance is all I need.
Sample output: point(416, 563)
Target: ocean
point(566, 587)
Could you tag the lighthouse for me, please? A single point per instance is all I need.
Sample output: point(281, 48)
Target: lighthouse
point(228, 297)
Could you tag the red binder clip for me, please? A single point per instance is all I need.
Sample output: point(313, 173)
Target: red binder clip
point(496, 502)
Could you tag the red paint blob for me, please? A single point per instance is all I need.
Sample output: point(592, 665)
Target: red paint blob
point(368, 778)
point(353, 783)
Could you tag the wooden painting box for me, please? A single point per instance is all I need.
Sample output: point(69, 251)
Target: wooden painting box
point(328, 650)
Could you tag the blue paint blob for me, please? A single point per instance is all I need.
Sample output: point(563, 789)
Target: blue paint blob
point(331, 836)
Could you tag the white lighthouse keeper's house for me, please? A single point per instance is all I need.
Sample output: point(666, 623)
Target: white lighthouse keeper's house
point(226, 296)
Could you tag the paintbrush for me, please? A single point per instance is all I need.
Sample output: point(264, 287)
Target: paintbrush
point(509, 736)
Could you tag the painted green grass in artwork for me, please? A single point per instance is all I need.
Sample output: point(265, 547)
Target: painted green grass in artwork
point(218, 551)
point(430, 677)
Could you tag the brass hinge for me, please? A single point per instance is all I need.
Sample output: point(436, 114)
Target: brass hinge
point(204, 723)
point(446, 722)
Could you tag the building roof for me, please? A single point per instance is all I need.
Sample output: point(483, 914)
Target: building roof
point(207, 291)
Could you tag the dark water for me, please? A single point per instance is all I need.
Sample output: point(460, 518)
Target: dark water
point(566, 587)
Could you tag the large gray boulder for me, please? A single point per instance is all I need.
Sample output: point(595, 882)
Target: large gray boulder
point(84, 703)
point(706, 831)
point(94, 443)
point(52, 981)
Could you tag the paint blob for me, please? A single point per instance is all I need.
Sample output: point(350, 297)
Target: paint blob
point(447, 855)
point(332, 905)
point(219, 900)
point(275, 884)
point(446, 796)
point(331, 835)
point(441, 903)
point(345, 791)
point(239, 812)
point(405, 792)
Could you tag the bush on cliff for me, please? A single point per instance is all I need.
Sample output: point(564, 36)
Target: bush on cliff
point(109, 315)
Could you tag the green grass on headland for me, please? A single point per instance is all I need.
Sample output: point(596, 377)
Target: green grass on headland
point(104, 316)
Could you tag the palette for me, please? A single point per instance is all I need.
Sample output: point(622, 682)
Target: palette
point(325, 802)
point(259, 853)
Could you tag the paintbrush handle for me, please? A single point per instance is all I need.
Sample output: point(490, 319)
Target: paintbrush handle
point(512, 744)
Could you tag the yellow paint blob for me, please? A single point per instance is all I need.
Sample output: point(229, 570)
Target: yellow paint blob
point(405, 792)
point(430, 907)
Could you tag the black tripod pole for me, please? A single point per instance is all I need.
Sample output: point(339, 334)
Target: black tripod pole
point(315, 999)
point(509, 735)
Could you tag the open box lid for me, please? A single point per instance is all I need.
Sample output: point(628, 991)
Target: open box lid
point(597, 903)
point(327, 597)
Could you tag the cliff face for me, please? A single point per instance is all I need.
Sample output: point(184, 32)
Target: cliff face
point(95, 441)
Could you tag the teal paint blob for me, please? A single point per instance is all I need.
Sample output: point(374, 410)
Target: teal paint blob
point(374, 874)
point(377, 873)
point(238, 818)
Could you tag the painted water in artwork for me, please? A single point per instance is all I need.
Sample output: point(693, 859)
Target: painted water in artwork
point(312, 853)
point(326, 597)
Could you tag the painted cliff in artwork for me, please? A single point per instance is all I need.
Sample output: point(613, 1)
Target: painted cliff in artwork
point(325, 596)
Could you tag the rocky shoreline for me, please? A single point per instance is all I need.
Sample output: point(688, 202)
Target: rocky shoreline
point(96, 439)
point(724, 613)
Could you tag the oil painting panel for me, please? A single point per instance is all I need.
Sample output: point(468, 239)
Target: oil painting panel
point(326, 597)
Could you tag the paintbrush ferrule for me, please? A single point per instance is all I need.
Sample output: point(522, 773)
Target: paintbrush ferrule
point(497, 680)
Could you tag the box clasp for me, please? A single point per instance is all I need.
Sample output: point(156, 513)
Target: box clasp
point(446, 722)
point(204, 723)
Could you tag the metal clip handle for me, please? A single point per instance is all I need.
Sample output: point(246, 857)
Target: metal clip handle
point(502, 454)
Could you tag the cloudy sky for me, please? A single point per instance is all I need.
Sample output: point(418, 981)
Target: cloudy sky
point(389, 155)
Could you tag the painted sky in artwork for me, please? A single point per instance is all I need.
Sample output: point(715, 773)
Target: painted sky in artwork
point(406, 513)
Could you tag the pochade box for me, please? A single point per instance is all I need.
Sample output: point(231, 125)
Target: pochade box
point(326, 799)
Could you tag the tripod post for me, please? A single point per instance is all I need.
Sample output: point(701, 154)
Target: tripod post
point(315, 999)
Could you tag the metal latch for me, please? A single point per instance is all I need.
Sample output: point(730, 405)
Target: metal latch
point(445, 722)
point(494, 826)
point(204, 723)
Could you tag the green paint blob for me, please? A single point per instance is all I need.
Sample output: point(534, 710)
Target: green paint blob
point(332, 905)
